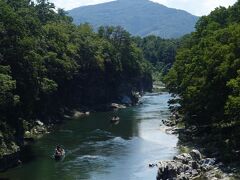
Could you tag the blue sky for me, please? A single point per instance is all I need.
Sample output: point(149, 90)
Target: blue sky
point(196, 7)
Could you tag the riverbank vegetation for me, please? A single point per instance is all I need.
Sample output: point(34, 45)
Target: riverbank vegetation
point(48, 66)
point(206, 79)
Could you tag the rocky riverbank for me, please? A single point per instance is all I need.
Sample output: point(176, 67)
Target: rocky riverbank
point(9, 154)
point(192, 164)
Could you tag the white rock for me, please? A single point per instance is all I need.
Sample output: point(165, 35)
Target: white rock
point(78, 114)
point(27, 133)
point(196, 155)
point(39, 123)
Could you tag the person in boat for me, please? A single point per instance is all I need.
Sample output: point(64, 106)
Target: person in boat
point(59, 151)
point(115, 119)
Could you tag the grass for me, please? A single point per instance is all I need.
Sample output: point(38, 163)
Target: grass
point(184, 149)
point(181, 124)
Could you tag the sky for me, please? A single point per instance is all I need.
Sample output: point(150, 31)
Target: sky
point(196, 7)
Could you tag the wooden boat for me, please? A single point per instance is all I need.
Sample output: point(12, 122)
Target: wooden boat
point(115, 120)
point(59, 156)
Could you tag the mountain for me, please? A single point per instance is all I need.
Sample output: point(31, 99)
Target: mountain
point(139, 17)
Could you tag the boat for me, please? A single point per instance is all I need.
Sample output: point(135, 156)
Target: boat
point(115, 120)
point(60, 155)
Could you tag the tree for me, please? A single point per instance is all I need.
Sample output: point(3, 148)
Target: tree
point(205, 76)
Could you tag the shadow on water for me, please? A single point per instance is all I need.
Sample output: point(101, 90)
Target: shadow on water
point(95, 149)
point(28, 154)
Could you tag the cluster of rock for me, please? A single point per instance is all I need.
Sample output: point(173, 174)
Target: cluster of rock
point(78, 114)
point(190, 165)
point(175, 118)
point(6, 149)
point(172, 126)
point(38, 130)
point(126, 101)
point(9, 153)
point(185, 166)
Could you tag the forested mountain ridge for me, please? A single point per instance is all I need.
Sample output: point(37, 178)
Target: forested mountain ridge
point(139, 17)
point(206, 78)
point(48, 65)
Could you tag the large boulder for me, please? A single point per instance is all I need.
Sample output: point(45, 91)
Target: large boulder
point(209, 161)
point(194, 164)
point(196, 155)
point(39, 123)
point(208, 164)
point(78, 114)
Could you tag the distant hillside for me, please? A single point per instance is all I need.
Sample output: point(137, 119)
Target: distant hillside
point(139, 17)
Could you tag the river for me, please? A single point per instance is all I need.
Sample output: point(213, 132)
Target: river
point(97, 150)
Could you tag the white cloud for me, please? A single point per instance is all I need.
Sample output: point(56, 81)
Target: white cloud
point(70, 4)
point(196, 7)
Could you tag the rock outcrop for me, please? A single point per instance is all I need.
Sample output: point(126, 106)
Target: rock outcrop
point(9, 154)
point(117, 106)
point(79, 114)
point(9, 160)
point(185, 166)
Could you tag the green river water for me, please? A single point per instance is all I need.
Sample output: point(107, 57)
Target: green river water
point(96, 150)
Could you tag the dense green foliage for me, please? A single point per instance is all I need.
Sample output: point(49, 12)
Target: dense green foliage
point(159, 52)
point(206, 77)
point(49, 65)
point(139, 17)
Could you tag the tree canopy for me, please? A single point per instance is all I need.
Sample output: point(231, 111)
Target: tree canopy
point(206, 75)
point(48, 64)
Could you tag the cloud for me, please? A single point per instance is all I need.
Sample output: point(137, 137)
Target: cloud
point(196, 7)
point(70, 4)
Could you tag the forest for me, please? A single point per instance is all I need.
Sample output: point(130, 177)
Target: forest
point(159, 52)
point(205, 79)
point(49, 66)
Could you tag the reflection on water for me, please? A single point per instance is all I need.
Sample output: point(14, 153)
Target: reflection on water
point(97, 150)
